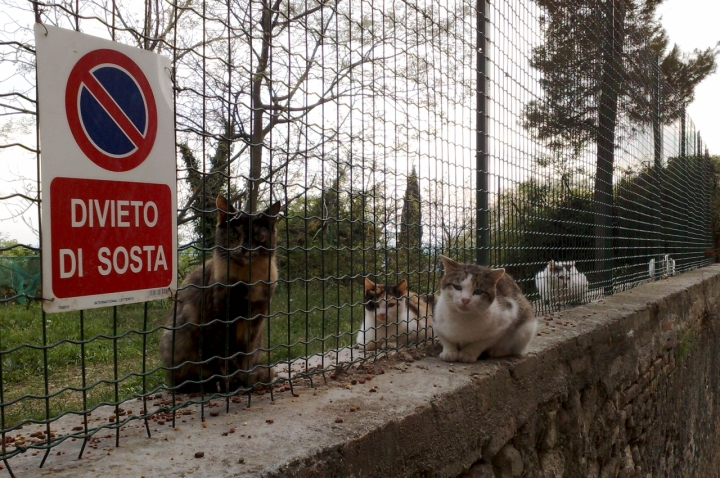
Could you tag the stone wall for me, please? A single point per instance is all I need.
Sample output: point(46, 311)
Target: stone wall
point(635, 397)
point(625, 386)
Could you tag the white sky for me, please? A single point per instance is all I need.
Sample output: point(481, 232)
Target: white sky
point(694, 24)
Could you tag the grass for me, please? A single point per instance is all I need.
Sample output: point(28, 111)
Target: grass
point(103, 334)
point(305, 319)
point(313, 318)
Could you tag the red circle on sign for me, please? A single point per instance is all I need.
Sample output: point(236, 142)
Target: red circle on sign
point(80, 76)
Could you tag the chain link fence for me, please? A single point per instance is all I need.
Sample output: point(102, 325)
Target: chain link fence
point(538, 136)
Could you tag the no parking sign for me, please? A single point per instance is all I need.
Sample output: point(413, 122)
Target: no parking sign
point(107, 172)
point(111, 110)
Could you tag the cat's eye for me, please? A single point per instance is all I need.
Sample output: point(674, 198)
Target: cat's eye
point(478, 292)
point(234, 235)
point(457, 287)
point(392, 304)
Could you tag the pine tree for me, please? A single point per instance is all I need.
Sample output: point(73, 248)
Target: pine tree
point(410, 236)
point(598, 66)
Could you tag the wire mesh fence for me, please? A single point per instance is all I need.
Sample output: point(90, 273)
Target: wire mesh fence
point(327, 148)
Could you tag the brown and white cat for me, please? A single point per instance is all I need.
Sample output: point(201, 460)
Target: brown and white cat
point(215, 332)
point(481, 310)
point(394, 316)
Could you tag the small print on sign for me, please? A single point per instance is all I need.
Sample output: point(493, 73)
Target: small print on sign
point(109, 236)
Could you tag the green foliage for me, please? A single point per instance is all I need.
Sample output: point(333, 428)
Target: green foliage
point(539, 222)
point(651, 215)
point(687, 340)
point(334, 234)
point(12, 248)
point(411, 257)
point(411, 233)
point(19, 271)
point(574, 60)
point(19, 277)
point(206, 185)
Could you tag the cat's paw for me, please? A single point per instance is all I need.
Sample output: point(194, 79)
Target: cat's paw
point(449, 355)
point(466, 357)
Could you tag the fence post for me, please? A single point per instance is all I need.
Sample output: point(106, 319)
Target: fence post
point(482, 205)
point(683, 138)
point(657, 165)
point(682, 247)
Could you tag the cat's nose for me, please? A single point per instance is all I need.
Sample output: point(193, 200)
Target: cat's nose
point(381, 315)
point(465, 301)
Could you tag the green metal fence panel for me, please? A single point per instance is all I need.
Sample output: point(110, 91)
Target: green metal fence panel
point(19, 278)
point(518, 134)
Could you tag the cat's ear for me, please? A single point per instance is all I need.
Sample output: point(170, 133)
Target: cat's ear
point(224, 208)
point(402, 287)
point(449, 264)
point(369, 285)
point(551, 265)
point(273, 210)
point(496, 274)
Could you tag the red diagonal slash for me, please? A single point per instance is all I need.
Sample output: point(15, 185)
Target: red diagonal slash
point(80, 77)
point(112, 108)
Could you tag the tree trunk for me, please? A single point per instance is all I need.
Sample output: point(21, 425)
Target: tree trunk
point(607, 121)
point(257, 134)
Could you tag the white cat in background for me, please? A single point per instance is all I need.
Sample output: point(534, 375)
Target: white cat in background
point(561, 283)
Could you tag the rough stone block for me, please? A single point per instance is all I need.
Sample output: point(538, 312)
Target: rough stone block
point(508, 463)
point(480, 470)
point(552, 464)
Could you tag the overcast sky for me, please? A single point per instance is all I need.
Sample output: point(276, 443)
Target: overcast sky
point(694, 24)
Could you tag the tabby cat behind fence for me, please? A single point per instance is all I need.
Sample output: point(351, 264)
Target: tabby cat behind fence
point(394, 316)
point(221, 306)
point(481, 310)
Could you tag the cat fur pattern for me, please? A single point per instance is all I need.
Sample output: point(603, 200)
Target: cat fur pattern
point(481, 310)
point(215, 330)
point(394, 316)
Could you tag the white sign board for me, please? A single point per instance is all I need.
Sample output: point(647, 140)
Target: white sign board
point(109, 227)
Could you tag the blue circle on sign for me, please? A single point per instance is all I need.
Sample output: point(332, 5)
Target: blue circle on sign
point(101, 128)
